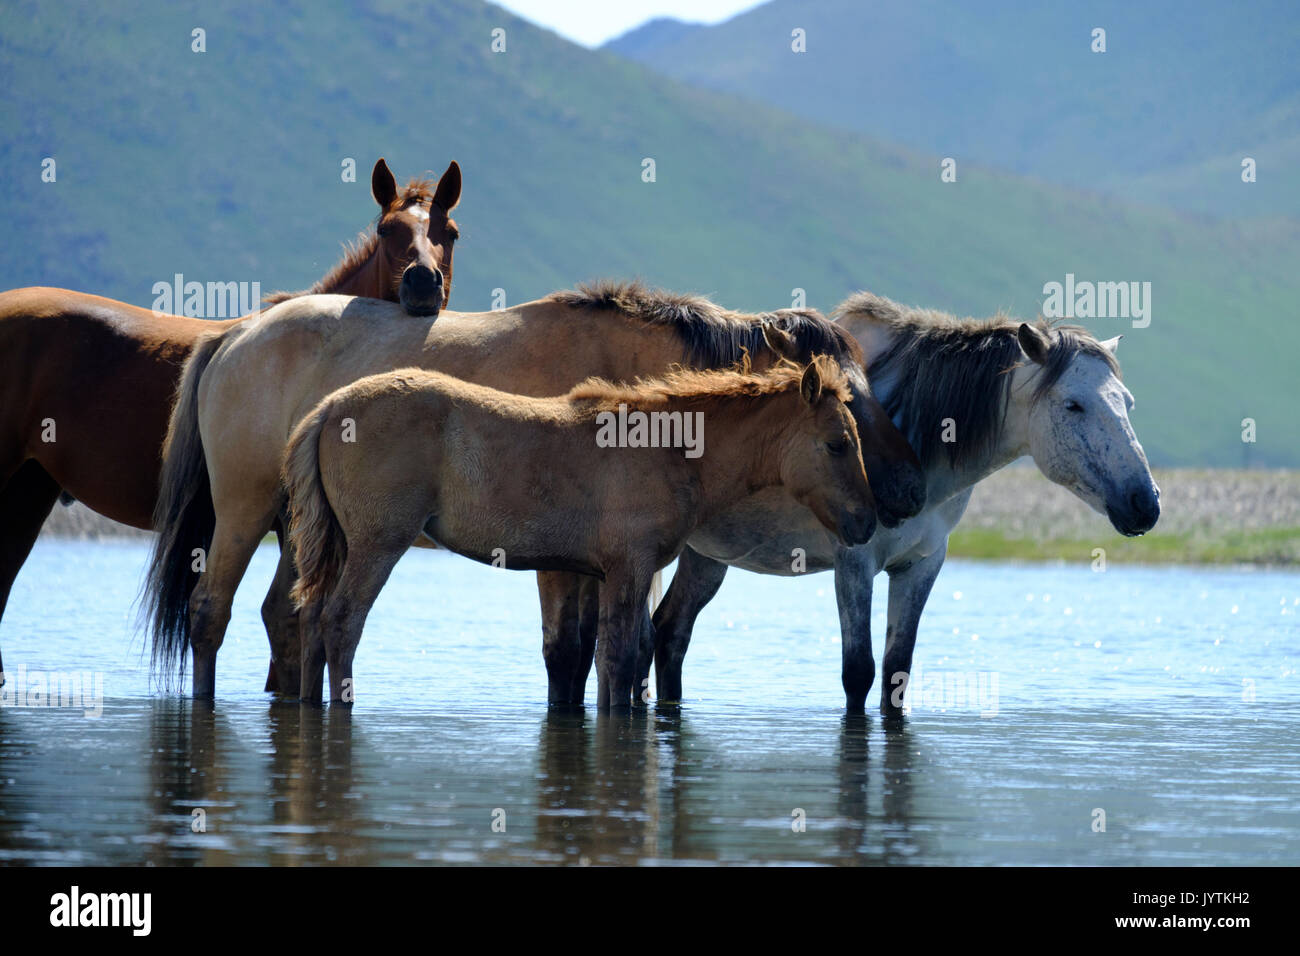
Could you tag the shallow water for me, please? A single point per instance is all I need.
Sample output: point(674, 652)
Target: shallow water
point(1042, 696)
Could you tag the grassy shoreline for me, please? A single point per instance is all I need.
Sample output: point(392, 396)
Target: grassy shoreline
point(1219, 516)
point(1278, 547)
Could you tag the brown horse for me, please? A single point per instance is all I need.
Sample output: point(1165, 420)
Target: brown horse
point(87, 383)
point(537, 483)
point(245, 389)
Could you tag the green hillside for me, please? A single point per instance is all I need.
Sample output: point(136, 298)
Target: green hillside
point(1184, 89)
point(225, 165)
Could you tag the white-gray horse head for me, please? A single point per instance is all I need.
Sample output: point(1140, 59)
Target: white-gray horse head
point(1077, 426)
point(972, 395)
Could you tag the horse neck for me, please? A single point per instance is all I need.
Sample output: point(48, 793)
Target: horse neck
point(742, 448)
point(365, 280)
point(944, 481)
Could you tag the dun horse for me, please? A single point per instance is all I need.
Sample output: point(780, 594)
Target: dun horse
point(1009, 389)
point(221, 476)
point(486, 473)
point(102, 374)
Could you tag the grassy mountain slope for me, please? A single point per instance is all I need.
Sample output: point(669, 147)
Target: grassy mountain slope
point(1165, 115)
point(225, 166)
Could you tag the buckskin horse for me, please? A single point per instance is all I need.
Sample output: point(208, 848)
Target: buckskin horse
point(1007, 389)
point(491, 475)
point(221, 485)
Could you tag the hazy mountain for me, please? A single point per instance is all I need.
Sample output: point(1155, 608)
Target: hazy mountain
point(225, 165)
point(1183, 91)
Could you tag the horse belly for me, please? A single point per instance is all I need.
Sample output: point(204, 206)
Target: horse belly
point(473, 536)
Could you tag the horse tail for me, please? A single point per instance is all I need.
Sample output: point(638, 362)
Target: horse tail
point(184, 519)
point(319, 545)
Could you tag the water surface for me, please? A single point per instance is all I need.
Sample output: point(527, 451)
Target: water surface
point(1043, 697)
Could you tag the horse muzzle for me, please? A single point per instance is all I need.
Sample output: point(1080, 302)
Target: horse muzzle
point(902, 498)
point(1136, 512)
point(421, 290)
point(856, 527)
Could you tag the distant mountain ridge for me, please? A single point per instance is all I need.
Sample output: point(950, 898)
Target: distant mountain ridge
point(225, 166)
point(649, 38)
point(1183, 92)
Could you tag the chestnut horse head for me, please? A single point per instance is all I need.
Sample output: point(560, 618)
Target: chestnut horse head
point(407, 258)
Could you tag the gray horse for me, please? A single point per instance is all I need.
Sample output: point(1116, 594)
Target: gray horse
point(971, 397)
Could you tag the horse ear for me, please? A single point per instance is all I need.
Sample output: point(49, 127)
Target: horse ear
point(1112, 345)
point(382, 184)
point(875, 338)
point(1034, 343)
point(810, 386)
point(447, 194)
point(781, 342)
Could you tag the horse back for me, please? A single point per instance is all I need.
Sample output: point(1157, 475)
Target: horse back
point(85, 388)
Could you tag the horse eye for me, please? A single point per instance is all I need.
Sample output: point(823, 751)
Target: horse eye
point(1072, 406)
point(383, 231)
point(838, 448)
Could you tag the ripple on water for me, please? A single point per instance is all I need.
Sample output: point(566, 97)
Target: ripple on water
point(1166, 699)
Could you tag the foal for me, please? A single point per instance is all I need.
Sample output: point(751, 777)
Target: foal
point(532, 483)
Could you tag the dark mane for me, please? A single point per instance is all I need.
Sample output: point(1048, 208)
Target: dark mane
point(938, 366)
point(713, 337)
point(359, 251)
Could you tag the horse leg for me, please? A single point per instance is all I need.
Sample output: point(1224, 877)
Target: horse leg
point(694, 584)
point(281, 620)
point(365, 571)
point(559, 592)
point(854, 573)
point(622, 603)
point(909, 589)
point(588, 631)
point(233, 545)
point(312, 668)
point(644, 658)
point(25, 503)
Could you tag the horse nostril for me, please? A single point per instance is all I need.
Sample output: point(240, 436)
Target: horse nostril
point(421, 281)
point(1144, 505)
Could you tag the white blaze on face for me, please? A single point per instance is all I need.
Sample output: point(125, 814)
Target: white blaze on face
point(418, 211)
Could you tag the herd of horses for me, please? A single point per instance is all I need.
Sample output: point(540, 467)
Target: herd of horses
point(360, 417)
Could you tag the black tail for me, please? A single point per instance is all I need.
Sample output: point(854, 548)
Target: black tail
point(184, 519)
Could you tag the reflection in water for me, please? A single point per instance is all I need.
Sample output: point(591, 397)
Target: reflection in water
point(312, 784)
point(283, 784)
point(1124, 691)
point(597, 787)
point(900, 841)
point(853, 780)
point(185, 776)
point(889, 837)
point(197, 766)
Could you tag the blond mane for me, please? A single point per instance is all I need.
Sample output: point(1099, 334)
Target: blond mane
point(681, 384)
